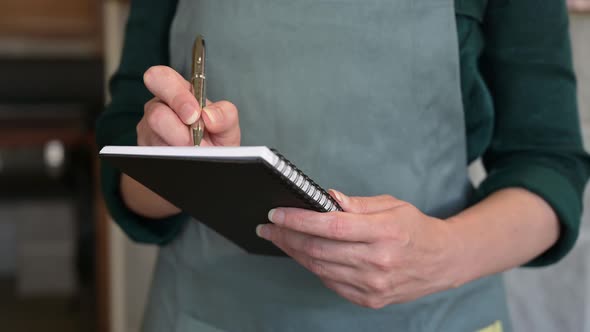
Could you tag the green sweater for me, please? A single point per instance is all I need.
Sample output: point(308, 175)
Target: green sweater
point(519, 95)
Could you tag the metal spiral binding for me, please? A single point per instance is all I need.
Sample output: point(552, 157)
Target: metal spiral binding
point(314, 193)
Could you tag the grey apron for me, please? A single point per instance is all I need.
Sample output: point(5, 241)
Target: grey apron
point(364, 96)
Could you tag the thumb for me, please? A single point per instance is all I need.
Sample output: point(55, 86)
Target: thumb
point(365, 205)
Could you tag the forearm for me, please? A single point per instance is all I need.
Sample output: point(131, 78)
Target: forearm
point(505, 230)
point(143, 201)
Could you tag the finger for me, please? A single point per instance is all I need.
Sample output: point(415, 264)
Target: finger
point(156, 140)
point(345, 253)
point(355, 295)
point(169, 86)
point(146, 137)
point(326, 270)
point(221, 123)
point(365, 205)
point(166, 125)
point(342, 226)
point(321, 268)
point(142, 131)
point(347, 291)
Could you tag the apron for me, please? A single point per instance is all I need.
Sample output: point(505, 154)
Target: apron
point(363, 96)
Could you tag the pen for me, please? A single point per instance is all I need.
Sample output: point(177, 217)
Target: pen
point(198, 86)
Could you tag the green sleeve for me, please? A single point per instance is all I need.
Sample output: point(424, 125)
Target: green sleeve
point(146, 44)
point(536, 141)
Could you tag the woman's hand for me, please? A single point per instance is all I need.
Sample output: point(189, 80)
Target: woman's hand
point(381, 250)
point(167, 116)
point(166, 122)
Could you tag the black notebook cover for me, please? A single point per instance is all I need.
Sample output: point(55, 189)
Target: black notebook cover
point(231, 195)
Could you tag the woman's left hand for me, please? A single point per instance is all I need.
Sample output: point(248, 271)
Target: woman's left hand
point(379, 251)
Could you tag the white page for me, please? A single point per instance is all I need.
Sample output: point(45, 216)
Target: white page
point(191, 151)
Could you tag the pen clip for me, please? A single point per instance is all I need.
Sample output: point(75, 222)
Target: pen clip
point(198, 70)
point(198, 86)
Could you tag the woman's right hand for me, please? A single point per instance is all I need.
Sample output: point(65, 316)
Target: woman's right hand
point(167, 116)
point(165, 122)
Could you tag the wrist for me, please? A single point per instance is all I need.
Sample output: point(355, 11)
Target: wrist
point(143, 201)
point(461, 262)
point(505, 230)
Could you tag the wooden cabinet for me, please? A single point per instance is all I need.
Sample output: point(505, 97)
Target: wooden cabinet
point(50, 27)
point(50, 18)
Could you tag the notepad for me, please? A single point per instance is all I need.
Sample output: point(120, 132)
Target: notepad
point(229, 189)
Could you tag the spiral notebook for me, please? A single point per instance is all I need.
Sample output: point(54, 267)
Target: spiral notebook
point(229, 189)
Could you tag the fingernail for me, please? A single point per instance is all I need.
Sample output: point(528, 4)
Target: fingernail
point(338, 196)
point(262, 231)
point(213, 114)
point(276, 216)
point(187, 109)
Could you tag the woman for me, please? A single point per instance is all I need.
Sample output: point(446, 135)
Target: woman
point(388, 101)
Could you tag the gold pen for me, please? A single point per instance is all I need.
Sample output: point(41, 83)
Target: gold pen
point(198, 86)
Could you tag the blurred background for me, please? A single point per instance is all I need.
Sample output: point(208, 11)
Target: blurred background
point(51, 89)
point(63, 265)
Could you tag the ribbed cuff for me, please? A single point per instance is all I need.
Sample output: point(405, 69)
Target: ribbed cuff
point(555, 189)
point(138, 228)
